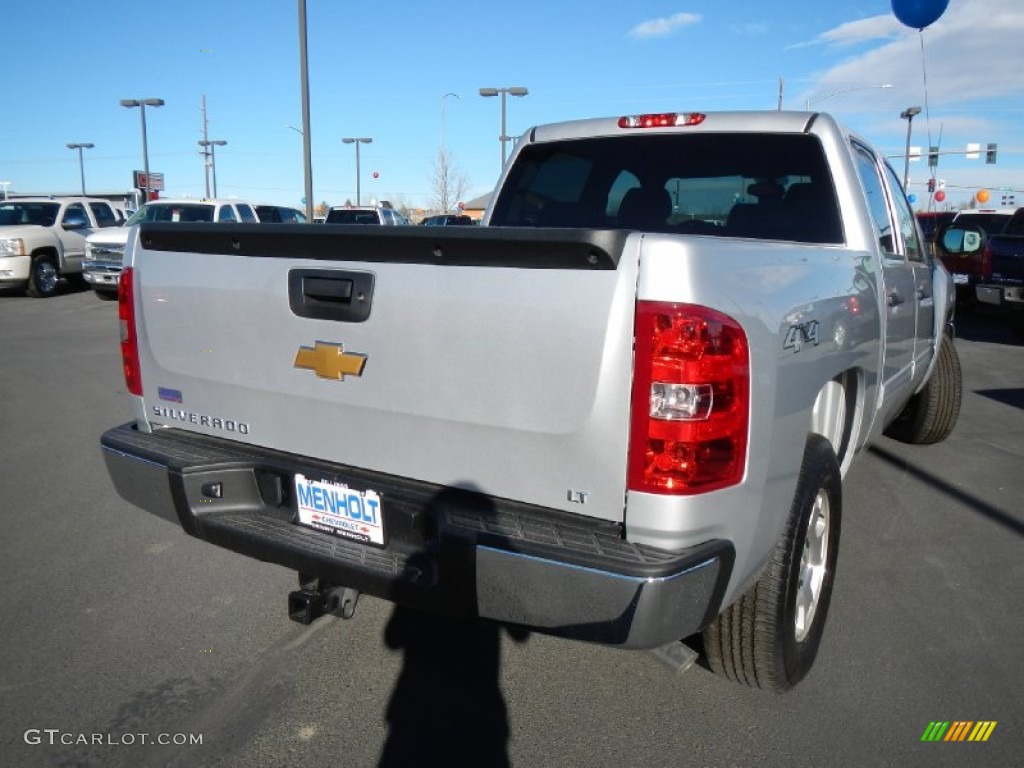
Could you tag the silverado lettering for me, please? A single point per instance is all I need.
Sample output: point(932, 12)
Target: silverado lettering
point(176, 414)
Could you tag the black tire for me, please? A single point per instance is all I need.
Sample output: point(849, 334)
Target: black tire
point(757, 640)
point(932, 413)
point(44, 277)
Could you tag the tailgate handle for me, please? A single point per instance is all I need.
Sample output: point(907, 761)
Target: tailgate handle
point(327, 288)
point(330, 294)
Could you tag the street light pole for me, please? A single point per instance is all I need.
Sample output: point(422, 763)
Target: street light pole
point(515, 91)
point(357, 142)
point(307, 154)
point(142, 104)
point(81, 163)
point(908, 115)
point(213, 144)
point(443, 116)
point(808, 103)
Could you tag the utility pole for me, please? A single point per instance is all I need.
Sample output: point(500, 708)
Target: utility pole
point(81, 163)
point(514, 91)
point(908, 114)
point(307, 156)
point(205, 144)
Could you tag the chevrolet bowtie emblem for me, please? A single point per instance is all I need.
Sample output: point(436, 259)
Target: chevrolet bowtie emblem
point(330, 361)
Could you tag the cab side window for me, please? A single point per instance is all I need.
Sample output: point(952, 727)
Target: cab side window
point(226, 214)
point(247, 214)
point(75, 211)
point(104, 215)
point(907, 222)
point(878, 206)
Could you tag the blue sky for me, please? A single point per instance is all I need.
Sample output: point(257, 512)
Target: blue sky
point(382, 70)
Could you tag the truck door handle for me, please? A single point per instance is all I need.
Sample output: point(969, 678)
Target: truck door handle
point(330, 294)
point(894, 299)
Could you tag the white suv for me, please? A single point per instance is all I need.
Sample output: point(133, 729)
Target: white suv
point(104, 250)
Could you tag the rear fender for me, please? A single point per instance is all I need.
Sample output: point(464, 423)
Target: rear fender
point(944, 294)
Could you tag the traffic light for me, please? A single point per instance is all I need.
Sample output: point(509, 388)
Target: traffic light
point(933, 156)
point(990, 155)
point(931, 185)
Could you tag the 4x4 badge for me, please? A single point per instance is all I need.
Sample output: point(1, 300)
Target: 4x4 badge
point(800, 334)
point(330, 361)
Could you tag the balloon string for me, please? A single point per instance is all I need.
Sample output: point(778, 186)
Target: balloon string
point(924, 75)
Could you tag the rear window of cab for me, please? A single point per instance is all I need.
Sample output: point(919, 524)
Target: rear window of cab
point(762, 186)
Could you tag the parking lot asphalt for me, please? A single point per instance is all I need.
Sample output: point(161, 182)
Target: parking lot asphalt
point(119, 631)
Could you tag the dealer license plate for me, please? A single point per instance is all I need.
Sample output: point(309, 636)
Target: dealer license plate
point(335, 508)
point(959, 278)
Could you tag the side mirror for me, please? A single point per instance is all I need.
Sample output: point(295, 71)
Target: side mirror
point(74, 221)
point(962, 240)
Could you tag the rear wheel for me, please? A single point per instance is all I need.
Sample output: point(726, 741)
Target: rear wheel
point(43, 277)
point(769, 638)
point(932, 413)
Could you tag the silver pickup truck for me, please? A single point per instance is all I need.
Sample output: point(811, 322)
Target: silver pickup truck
point(619, 412)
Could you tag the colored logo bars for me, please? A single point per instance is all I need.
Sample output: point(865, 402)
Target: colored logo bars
point(959, 730)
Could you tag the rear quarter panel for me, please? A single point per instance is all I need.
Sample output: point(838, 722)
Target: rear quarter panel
point(770, 288)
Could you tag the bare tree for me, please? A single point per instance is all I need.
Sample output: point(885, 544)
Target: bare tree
point(448, 182)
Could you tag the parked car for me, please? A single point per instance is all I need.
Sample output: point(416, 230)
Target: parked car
point(104, 250)
point(387, 217)
point(43, 239)
point(1000, 280)
point(969, 268)
point(279, 214)
point(447, 220)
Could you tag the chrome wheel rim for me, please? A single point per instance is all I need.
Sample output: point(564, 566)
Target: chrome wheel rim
point(812, 566)
point(46, 276)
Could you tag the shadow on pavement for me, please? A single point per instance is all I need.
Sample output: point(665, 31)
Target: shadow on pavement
point(65, 287)
point(994, 514)
point(985, 323)
point(447, 707)
point(1013, 397)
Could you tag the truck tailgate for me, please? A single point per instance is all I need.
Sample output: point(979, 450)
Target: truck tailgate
point(1007, 259)
point(496, 359)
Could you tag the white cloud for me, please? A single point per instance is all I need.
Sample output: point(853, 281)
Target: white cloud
point(854, 32)
point(665, 26)
point(972, 52)
point(863, 30)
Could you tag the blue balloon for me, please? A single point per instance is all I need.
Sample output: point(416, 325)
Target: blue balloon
point(919, 13)
point(912, 198)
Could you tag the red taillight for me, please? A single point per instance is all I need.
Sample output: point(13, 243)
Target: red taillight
point(661, 120)
point(129, 342)
point(986, 263)
point(690, 405)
